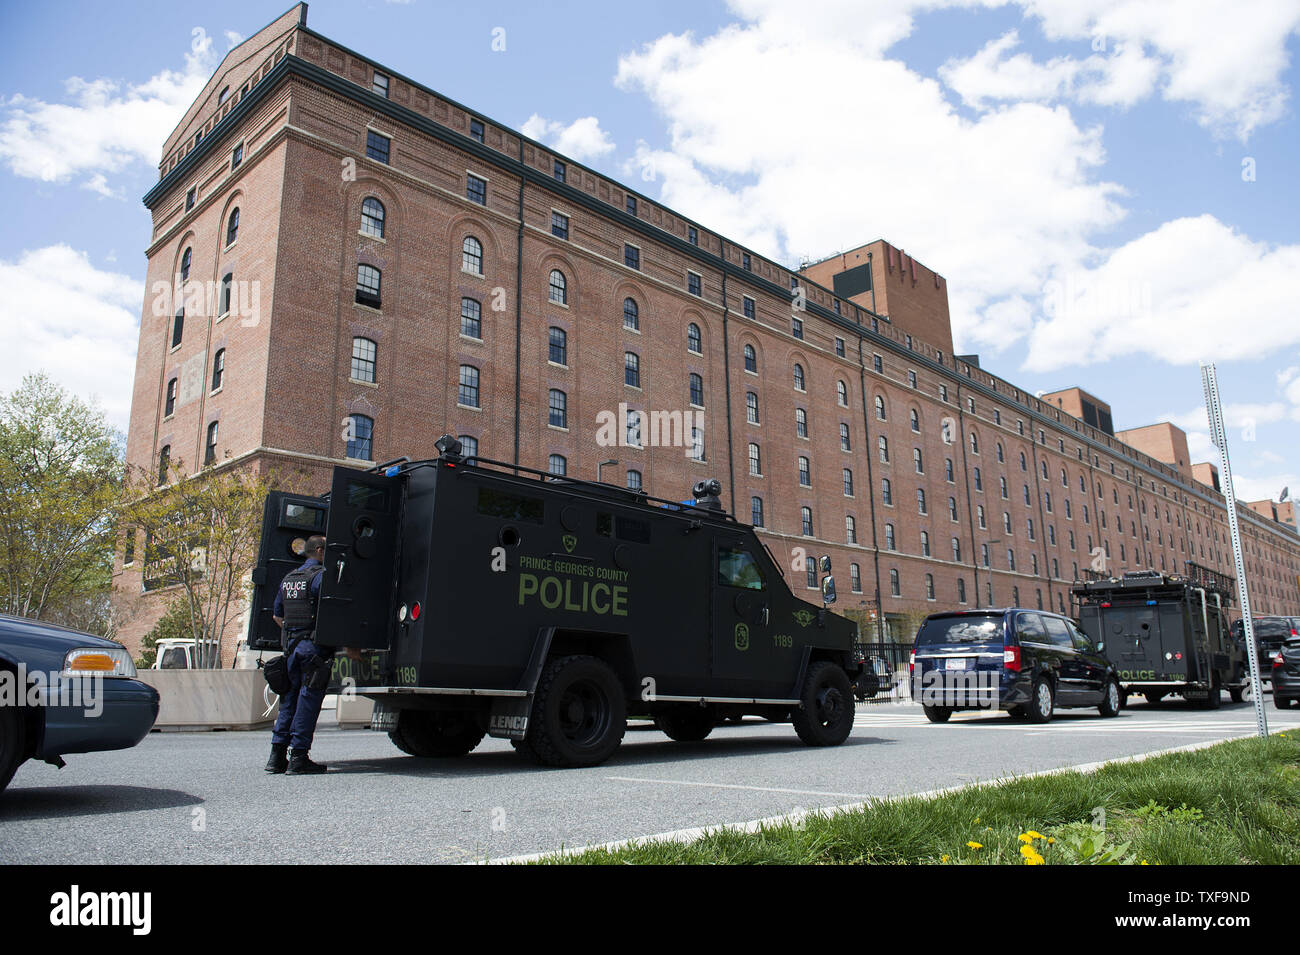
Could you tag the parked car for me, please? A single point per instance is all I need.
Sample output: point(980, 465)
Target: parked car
point(1286, 674)
point(64, 692)
point(876, 676)
point(1270, 633)
point(1027, 662)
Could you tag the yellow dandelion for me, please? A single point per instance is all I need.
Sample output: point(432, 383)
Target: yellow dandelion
point(1051, 840)
point(974, 845)
point(1144, 862)
point(1031, 855)
point(976, 822)
point(1034, 835)
point(943, 858)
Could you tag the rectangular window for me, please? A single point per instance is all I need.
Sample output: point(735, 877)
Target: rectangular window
point(839, 347)
point(877, 364)
point(178, 329)
point(476, 130)
point(377, 146)
point(237, 156)
point(559, 170)
point(749, 307)
point(631, 205)
point(693, 283)
point(189, 200)
point(632, 257)
point(744, 261)
point(796, 327)
point(693, 235)
point(559, 226)
point(514, 507)
point(380, 84)
point(476, 189)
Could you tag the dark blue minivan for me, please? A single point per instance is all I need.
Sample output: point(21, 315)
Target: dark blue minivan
point(1027, 662)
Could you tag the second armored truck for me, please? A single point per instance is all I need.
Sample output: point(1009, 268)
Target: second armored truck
point(490, 599)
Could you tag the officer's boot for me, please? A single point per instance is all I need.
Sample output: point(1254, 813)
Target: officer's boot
point(279, 760)
point(300, 764)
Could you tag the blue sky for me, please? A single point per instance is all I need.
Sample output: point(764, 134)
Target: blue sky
point(1110, 188)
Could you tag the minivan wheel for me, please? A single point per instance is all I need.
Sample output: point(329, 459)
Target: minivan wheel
point(1110, 700)
point(1042, 701)
point(12, 743)
point(938, 714)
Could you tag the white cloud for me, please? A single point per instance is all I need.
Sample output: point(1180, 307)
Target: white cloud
point(103, 126)
point(78, 323)
point(1146, 299)
point(233, 39)
point(583, 139)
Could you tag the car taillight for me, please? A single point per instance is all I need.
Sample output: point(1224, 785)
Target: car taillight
point(1011, 658)
point(1278, 661)
point(911, 663)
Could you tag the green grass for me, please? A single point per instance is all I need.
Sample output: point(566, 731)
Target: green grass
point(1233, 803)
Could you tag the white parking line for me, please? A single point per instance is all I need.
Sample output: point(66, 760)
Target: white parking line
point(760, 789)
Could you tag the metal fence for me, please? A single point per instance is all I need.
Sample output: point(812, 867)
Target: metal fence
point(885, 677)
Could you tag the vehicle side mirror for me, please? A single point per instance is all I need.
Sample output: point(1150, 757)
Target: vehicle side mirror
point(828, 590)
point(1101, 646)
point(826, 564)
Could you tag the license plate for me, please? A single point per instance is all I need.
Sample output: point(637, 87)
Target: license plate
point(383, 718)
point(957, 663)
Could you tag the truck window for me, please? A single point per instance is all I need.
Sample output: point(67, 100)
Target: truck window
point(366, 497)
point(303, 517)
point(630, 529)
point(513, 507)
point(737, 568)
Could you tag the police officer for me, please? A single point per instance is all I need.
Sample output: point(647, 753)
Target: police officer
point(295, 612)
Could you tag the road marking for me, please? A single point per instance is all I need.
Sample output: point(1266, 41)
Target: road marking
point(761, 789)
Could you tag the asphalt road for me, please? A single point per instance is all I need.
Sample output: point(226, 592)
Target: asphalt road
point(203, 797)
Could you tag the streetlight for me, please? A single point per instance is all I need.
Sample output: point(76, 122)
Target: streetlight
point(600, 467)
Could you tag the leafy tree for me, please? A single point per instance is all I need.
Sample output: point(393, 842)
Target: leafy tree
point(201, 535)
point(61, 467)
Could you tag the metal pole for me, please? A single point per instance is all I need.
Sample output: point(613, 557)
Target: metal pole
point(1220, 438)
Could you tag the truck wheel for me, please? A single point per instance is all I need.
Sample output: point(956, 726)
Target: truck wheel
point(579, 714)
point(1281, 702)
point(1213, 698)
point(826, 717)
point(1237, 694)
point(430, 733)
point(12, 743)
point(1111, 700)
point(687, 724)
point(937, 714)
point(867, 686)
point(1042, 701)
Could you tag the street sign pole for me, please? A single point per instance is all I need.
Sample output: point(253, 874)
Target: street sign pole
point(1220, 438)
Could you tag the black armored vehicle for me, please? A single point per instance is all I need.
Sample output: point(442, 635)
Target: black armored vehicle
point(1166, 633)
point(488, 598)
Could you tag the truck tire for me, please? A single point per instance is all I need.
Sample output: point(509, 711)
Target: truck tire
point(579, 713)
point(687, 724)
point(430, 733)
point(12, 743)
point(826, 716)
point(1281, 702)
point(1042, 702)
point(1112, 701)
point(1237, 694)
point(1213, 698)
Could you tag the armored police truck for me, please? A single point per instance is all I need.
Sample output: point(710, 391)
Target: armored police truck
point(1166, 633)
point(489, 598)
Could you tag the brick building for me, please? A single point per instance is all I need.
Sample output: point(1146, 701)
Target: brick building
point(383, 265)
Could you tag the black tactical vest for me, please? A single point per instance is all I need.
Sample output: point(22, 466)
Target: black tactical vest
point(299, 601)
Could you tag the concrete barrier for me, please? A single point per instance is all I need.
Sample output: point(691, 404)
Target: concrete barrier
point(212, 699)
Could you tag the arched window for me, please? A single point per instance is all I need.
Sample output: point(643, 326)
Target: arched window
point(227, 284)
point(806, 515)
point(810, 572)
point(880, 408)
point(210, 446)
point(232, 226)
point(755, 462)
point(1006, 522)
point(756, 511)
point(372, 217)
point(187, 258)
point(751, 407)
point(952, 509)
point(801, 422)
point(979, 514)
point(1023, 465)
point(848, 482)
point(961, 590)
point(467, 394)
point(925, 543)
point(468, 445)
point(1000, 456)
point(363, 360)
point(631, 315)
point(558, 346)
point(471, 255)
point(883, 443)
point(632, 369)
point(886, 491)
point(890, 542)
point(368, 279)
point(850, 529)
point(893, 582)
point(164, 462)
point(751, 359)
point(855, 578)
point(218, 368)
point(557, 464)
point(471, 318)
point(929, 586)
point(916, 421)
point(956, 550)
point(798, 377)
point(697, 444)
point(559, 409)
point(844, 437)
point(805, 474)
point(916, 461)
point(360, 429)
point(842, 393)
point(634, 480)
point(693, 343)
point(920, 500)
point(697, 389)
point(559, 288)
point(1064, 480)
point(974, 443)
point(170, 406)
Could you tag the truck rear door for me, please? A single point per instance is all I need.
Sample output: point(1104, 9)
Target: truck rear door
point(359, 586)
point(287, 521)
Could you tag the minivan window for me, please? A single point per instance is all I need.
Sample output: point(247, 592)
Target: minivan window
point(1057, 632)
point(1029, 628)
point(1081, 640)
point(964, 629)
